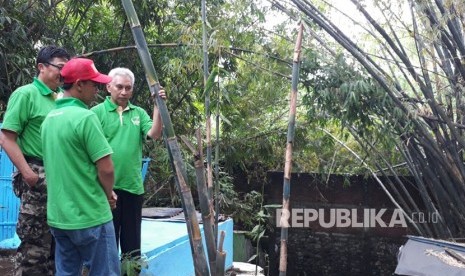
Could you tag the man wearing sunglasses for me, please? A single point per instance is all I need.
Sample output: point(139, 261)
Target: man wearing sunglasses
point(27, 107)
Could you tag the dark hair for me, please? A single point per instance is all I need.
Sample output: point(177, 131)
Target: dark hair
point(47, 53)
point(67, 86)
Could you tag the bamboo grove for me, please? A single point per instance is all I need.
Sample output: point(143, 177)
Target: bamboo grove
point(420, 71)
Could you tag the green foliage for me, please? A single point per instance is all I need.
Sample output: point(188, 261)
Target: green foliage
point(21, 25)
point(346, 101)
point(343, 92)
point(132, 265)
point(251, 101)
point(245, 209)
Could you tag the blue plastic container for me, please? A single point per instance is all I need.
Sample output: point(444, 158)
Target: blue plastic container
point(145, 167)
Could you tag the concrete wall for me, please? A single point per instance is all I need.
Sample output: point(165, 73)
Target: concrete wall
point(316, 250)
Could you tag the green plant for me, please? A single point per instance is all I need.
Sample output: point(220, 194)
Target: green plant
point(258, 232)
point(133, 265)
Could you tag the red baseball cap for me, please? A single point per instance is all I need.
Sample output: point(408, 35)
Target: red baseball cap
point(82, 69)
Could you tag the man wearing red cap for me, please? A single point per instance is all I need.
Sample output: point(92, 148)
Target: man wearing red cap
point(80, 194)
point(27, 107)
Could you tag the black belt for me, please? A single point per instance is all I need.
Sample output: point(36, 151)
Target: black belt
point(34, 160)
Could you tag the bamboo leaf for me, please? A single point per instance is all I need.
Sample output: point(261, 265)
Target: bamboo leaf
point(225, 120)
point(210, 81)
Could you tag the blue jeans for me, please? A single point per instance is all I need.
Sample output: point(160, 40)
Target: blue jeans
point(94, 247)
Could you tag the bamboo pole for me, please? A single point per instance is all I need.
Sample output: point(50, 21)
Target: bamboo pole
point(217, 153)
point(207, 215)
point(288, 157)
point(207, 106)
point(193, 229)
point(211, 223)
point(221, 255)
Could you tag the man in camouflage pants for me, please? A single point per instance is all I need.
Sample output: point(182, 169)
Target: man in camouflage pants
point(26, 110)
point(35, 252)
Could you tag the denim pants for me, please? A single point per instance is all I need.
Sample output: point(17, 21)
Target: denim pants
point(95, 247)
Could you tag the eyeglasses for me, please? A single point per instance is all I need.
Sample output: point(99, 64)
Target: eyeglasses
point(54, 65)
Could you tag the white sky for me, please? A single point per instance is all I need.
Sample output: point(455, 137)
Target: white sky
point(347, 7)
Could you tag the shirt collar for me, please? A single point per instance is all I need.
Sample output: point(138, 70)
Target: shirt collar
point(70, 101)
point(43, 88)
point(111, 106)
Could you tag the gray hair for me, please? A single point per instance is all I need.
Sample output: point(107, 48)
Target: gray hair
point(121, 71)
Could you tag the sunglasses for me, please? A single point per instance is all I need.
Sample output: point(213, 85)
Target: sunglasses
point(59, 67)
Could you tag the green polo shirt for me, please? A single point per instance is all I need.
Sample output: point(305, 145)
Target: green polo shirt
point(126, 134)
point(27, 107)
point(73, 141)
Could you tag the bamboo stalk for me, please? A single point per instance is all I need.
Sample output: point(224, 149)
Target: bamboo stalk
point(288, 157)
point(217, 155)
point(212, 225)
point(207, 215)
point(221, 256)
point(193, 229)
point(130, 47)
point(406, 203)
point(207, 105)
point(437, 146)
point(386, 191)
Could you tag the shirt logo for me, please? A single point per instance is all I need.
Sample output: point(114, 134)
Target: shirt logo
point(135, 120)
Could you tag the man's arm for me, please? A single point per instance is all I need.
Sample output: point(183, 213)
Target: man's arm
point(8, 142)
point(157, 126)
point(155, 131)
point(106, 175)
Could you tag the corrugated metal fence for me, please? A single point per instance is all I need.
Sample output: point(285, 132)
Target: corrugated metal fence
point(9, 203)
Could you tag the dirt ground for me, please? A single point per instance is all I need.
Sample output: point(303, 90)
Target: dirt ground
point(6, 262)
point(6, 265)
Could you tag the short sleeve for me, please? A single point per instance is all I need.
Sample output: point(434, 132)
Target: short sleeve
point(17, 112)
point(146, 122)
point(93, 138)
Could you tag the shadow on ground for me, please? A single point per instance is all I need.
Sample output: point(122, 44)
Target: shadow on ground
point(6, 262)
